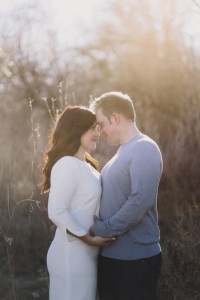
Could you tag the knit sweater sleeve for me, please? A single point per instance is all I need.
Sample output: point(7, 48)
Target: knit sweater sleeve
point(145, 171)
point(64, 182)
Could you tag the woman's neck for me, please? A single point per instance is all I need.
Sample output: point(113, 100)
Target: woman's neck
point(80, 154)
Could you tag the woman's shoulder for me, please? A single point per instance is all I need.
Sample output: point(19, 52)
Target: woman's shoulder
point(65, 162)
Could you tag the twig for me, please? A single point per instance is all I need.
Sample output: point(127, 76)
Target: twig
point(196, 3)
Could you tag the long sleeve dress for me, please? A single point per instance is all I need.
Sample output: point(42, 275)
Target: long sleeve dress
point(73, 200)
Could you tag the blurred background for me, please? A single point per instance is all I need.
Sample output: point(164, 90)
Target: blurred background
point(59, 52)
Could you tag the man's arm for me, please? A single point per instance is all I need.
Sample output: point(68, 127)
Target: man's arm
point(145, 172)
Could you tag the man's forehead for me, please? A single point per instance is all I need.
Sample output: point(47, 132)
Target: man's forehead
point(100, 117)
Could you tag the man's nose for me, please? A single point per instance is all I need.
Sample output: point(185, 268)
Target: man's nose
point(97, 133)
point(101, 131)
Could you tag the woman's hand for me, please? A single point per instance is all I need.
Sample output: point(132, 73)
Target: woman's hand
point(97, 241)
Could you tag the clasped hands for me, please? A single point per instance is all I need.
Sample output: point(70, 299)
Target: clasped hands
point(98, 240)
point(93, 240)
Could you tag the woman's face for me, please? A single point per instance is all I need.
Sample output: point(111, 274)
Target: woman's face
point(90, 138)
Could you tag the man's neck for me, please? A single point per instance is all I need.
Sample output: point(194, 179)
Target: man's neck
point(128, 131)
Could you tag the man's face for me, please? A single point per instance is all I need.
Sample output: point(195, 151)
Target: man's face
point(107, 127)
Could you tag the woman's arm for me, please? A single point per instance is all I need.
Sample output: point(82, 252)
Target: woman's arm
point(64, 183)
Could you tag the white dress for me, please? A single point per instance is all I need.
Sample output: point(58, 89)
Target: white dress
point(73, 200)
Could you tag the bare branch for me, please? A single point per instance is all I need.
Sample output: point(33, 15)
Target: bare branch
point(196, 3)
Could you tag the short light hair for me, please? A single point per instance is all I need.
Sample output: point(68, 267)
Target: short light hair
point(114, 102)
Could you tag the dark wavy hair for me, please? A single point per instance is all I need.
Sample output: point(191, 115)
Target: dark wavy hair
point(65, 138)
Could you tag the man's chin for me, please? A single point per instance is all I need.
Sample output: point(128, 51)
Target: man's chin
point(112, 143)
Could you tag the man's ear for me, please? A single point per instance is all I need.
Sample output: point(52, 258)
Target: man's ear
point(115, 118)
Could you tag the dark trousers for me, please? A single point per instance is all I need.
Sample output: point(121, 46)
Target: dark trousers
point(129, 279)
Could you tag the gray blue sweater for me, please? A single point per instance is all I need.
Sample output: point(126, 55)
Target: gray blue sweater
point(128, 208)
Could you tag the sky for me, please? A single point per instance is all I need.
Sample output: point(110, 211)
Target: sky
point(74, 21)
point(69, 18)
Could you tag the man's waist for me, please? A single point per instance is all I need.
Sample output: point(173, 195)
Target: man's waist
point(131, 250)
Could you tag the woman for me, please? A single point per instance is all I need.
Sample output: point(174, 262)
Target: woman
point(70, 176)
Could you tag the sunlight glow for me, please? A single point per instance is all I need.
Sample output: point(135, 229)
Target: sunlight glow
point(75, 21)
point(68, 18)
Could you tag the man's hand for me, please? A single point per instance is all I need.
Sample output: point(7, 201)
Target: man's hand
point(95, 218)
point(91, 232)
point(97, 241)
point(101, 242)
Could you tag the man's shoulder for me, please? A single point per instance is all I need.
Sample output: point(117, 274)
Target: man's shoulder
point(145, 147)
point(142, 141)
point(146, 142)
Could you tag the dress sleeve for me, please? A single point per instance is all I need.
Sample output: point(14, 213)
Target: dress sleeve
point(64, 182)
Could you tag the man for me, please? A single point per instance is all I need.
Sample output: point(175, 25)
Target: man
point(129, 268)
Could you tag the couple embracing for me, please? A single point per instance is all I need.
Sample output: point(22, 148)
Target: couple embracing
point(106, 244)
